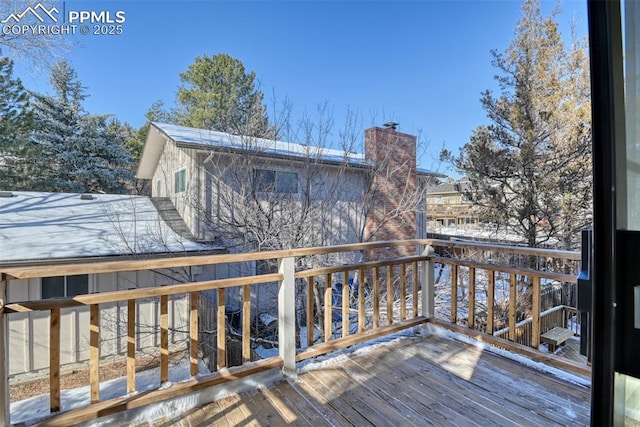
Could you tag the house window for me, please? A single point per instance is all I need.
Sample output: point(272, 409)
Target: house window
point(180, 181)
point(64, 286)
point(286, 182)
point(271, 181)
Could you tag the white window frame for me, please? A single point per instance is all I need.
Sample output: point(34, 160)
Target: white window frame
point(90, 285)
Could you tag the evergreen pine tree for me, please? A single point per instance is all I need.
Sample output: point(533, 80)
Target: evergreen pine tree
point(218, 94)
point(529, 168)
point(80, 153)
point(15, 124)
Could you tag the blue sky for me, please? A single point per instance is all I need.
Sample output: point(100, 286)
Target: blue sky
point(421, 64)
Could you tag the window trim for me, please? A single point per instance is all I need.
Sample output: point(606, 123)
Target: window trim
point(90, 287)
point(277, 173)
point(177, 188)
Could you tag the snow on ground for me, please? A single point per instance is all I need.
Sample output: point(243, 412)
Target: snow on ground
point(31, 410)
point(34, 409)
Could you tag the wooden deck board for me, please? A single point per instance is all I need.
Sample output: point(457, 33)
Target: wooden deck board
point(534, 392)
point(352, 415)
point(318, 414)
point(413, 381)
point(375, 409)
point(408, 398)
point(394, 395)
point(307, 413)
point(443, 384)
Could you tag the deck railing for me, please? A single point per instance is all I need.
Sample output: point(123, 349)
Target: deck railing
point(409, 272)
point(347, 304)
point(521, 271)
point(561, 315)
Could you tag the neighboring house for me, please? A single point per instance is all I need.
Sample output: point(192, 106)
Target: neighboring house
point(218, 182)
point(449, 206)
point(51, 228)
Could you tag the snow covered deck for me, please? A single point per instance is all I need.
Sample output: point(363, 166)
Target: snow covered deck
point(414, 380)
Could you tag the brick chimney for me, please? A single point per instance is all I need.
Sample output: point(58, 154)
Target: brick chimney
point(394, 155)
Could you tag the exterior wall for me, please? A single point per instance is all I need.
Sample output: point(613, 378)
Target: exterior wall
point(396, 153)
point(337, 190)
point(163, 183)
point(29, 332)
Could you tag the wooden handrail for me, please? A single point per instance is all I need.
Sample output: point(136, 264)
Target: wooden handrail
point(507, 249)
point(115, 296)
point(560, 277)
point(370, 264)
point(149, 263)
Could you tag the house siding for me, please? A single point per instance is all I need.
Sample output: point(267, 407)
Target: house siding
point(174, 158)
point(29, 332)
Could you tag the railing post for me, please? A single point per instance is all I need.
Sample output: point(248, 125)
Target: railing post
point(287, 315)
point(428, 284)
point(4, 354)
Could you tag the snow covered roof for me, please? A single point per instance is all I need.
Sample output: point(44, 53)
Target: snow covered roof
point(208, 139)
point(450, 187)
point(48, 226)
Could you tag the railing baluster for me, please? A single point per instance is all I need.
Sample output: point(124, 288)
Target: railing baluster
point(491, 300)
point(345, 304)
point(54, 360)
point(246, 323)
point(193, 333)
point(403, 291)
point(376, 297)
point(361, 291)
point(94, 352)
point(164, 339)
point(328, 333)
point(310, 315)
point(472, 297)
point(454, 293)
point(535, 323)
point(512, 306)
point(415, 289)
point(390, 295)
point(222, 336)
point(131, 346)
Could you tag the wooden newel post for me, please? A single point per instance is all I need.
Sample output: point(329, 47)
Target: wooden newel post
point(287, 315)
point(4, 354)
point(428, 284)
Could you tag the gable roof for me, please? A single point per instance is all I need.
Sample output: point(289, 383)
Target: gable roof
point(207, 140)
point(35, 227)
